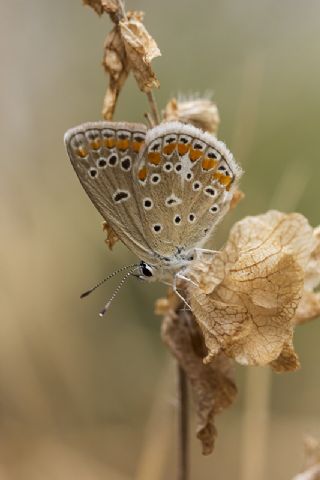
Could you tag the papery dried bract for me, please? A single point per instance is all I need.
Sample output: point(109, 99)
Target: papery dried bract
point(140, 48)
point(213, 387)
point(201, 112)
point(112, 237)
point(247, 309)
point(309, 306)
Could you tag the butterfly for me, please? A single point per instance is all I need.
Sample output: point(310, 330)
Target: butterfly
point(162, 190)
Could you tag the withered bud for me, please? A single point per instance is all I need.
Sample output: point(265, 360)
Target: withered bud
point(200, 112)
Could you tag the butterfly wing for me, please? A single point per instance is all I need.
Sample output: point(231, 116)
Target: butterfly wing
point(186, 180)
point(103, 155)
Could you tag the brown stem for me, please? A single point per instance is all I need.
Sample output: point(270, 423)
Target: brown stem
point(149, 119)
point(154, 108)
point(122, 9)
point(120, 14)
point(183, 432)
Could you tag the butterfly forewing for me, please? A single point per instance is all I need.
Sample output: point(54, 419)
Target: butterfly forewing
point(103, 155)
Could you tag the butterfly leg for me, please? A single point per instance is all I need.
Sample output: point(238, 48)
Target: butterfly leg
point(183, 277)
point(205, 250)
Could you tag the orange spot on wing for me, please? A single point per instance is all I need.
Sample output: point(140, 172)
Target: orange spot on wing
point(110, 142)
point(123, 144)
point(136, 146)
point(82, 152)
point(208, 163)
point(95, 144)
point(183, 148)
point(168, 149)
point(142, 174)
point(225, 180)
point(154, 158)
point(194, 155)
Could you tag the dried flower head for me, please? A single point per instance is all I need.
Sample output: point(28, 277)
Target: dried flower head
point(128, 47)
point(201, 112)
point(246, 295)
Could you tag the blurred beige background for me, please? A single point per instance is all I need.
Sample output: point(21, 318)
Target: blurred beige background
point(89, 398)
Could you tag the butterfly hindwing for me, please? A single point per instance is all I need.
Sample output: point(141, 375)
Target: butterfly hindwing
point(186, 180)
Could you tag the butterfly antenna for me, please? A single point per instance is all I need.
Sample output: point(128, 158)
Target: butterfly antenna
point(85, 294)
point(115, 293)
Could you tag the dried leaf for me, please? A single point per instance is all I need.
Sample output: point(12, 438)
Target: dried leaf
point(95, 4)
point(248, 293)
point(309, 306)
point(112, 237)
point(140, 48)
point(116, 65)
point(201, 112)
point(213, 387)
point(313, 267)
point(104, 6)
point(287, 361)
point(312, 460)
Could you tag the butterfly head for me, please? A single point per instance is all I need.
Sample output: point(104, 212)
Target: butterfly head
point(146, 272)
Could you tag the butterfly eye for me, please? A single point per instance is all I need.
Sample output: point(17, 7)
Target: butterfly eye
point(146, 270)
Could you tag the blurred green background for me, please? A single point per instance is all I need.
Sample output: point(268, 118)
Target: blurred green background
point(89, 398)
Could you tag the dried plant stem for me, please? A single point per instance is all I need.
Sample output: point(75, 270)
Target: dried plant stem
point(183, 427)
point(122, 10)
point(255, 423)
point(158, 441)
point(153, 107)
point(149, 119)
